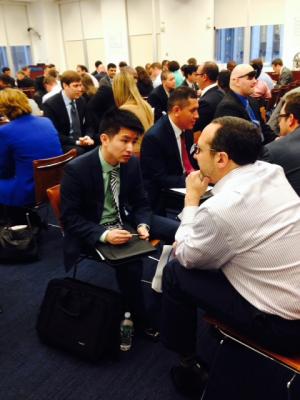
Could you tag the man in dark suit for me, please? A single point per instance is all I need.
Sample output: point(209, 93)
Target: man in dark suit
point(95, 209)
point(238, 102)
point(286, 150)
point(165, 151)
point(158, 98)
point(67, 111)
point(211, 95)
point(285, 75)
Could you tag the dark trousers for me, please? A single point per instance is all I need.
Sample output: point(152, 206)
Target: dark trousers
point(129, 275)
point(184, 291)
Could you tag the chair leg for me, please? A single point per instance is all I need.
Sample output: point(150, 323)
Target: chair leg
point(288, 386)
point(75, 271)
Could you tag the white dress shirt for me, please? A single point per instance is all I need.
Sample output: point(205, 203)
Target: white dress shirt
point(250, 228)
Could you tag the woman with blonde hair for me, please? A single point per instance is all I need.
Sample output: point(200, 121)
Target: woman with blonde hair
point(23, 139)
point(127, 97)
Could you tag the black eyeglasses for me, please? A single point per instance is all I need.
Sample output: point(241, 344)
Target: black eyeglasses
point(250, 75)
point(283, 116)
point(195, 149)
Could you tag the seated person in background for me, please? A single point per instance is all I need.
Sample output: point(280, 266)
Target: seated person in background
point(158, 98)
point(155, 71)
point(231, 65)
point(211, 95)
point(52, 86)
point(273, 121)
point(88, 88)
point(108, 78)
point(100, 192)
point(223, 80)
point(67, 111)
point(5, 82)
point(286, 150)
point(190, 74)
point(82, 70)
point(144, 83)
point(24, 139)
point(263, 76)
point(237, 254)
point(7, 72)
point(261, 89)
point(285, 75)
point(23, 81)
point(100, 71)
point(238, 102)
point(165, 151)
point(173, 66)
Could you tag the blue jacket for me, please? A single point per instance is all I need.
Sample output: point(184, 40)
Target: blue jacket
point(23, 140)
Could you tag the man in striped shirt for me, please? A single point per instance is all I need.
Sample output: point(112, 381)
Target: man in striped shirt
point(237, 254)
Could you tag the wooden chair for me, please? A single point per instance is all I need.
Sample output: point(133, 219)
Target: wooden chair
point(290, 363)
point(53, 194)
point(48, 172)
point(274, 99)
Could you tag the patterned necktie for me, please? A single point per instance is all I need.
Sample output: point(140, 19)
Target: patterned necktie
point(75, 122)
point(113, 179)
point(185, 157)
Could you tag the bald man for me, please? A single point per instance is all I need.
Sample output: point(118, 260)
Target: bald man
point(238, 103)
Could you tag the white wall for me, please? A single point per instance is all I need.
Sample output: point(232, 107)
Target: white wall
point(137, 31)
point(291, 41)
point(187, 29)
point(45, 19)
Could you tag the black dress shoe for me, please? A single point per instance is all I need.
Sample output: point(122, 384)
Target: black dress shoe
point(189, 381)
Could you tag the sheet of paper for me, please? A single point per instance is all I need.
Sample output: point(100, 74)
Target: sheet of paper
point(183, 190)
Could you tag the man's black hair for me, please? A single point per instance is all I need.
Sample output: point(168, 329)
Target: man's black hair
point(4, 69)
point(111, 65)
point(115, 119)
point(180, 96)
point(239, 138)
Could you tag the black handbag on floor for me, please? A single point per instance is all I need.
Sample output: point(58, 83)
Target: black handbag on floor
point(18, 243)
point(81, 318)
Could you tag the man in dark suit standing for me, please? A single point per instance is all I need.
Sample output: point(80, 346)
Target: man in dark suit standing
point(286, 150)
point(211, 95)
point(285, 75)
point(101, 191)
point(158, 98)
point(238, 102)
point(165, 151)
point(67, 111)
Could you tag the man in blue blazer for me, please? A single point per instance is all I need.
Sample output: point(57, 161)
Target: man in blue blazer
point(286, 150)
point(162, 158)
point(72, 133)
point(90, 212)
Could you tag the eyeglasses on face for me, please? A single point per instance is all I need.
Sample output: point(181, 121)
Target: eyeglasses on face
point(283, 116)
point(195, 149)
point(200, 74)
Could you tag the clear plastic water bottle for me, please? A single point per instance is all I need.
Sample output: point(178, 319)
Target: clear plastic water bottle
point(126, 332)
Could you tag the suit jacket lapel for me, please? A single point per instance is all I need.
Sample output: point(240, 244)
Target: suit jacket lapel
point(172, 141)
point(97, 180)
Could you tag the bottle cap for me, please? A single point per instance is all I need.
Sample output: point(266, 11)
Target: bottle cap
point(127, 315)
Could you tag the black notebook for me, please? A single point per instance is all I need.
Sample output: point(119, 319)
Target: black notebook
point(117, 254)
